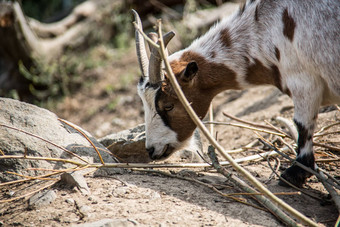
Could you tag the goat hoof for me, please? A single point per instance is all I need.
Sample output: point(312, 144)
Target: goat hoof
point(294, 175)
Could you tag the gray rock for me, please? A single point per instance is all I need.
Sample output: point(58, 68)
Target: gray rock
point(45, 124)
point(75, 179)
point(110, 223)
point(128, 145)
point(41, 199)
point(85, 210)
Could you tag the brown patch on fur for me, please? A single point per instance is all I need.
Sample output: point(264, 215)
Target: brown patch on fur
point(225, 37)
point(211, 79)
point(288, 25)
point(277, 53)
point(258, 74)
point(213, 54)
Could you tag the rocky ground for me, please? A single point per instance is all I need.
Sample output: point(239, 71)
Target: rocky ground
point(137, 198)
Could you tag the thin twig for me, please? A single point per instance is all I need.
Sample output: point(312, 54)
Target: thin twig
point(271, 146)
point(42, 158)
point(326, 128)
point(329, 176)
point(211, 118)
point(246, 127)
point(276, 193)
point(137, 165)
point(275, 170)
point(276, 128)
point(32, 178)
point(288, 145)
point(27, 194)
point(335, 196)
point(241, 184)
point(150, 42)
point(86, 137)
point(45, 140)
point(246, 147)
point(326, 133)
point(246, 122)
point(290, 184)
point(42, 176)
point(326, 146)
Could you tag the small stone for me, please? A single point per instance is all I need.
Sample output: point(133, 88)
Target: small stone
point(154, 195)
point(41, 199)
point(70, 201)
point(75, 179)
point(84, 209)
point(120, 191)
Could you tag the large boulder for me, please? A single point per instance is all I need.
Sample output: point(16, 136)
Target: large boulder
point(19, 121)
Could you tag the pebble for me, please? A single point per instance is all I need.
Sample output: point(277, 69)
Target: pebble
point(41, 199)
point(70, 201)
point(76, 179)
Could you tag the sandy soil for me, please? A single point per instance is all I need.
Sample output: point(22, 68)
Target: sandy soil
point(152, 199)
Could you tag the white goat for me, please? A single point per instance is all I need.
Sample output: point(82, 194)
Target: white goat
point(293, 45)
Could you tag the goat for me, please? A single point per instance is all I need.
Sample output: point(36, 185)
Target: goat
point(293, 45)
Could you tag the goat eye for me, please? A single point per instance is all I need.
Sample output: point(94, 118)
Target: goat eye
point(168, 107)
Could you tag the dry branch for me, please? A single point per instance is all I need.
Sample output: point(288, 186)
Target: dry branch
point(241, 184)
point(245, 126)
point(87, 138)
point(79, 13)
point(47, 141)
point(27, 194)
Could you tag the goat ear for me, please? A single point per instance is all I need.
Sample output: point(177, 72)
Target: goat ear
point(189, 72)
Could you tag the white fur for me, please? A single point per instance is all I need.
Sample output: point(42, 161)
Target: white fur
point(158, 135)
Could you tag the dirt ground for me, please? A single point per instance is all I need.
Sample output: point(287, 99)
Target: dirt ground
point(141, 198)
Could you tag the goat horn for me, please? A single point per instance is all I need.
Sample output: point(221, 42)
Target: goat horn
point(155, 72)
point(140, 47)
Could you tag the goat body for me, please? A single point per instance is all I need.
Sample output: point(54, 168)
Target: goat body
point(293, 45)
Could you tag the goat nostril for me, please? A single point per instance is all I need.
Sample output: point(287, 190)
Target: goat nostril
point(150, 150)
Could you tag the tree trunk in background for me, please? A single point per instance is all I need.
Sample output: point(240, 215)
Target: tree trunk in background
point(14, 47)
point(24, 41)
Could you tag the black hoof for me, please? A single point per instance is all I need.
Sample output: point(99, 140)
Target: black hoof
point(294, 175)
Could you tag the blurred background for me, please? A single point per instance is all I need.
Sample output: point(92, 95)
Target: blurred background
point(77, 58)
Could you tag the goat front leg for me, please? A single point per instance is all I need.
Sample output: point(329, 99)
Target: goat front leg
point(306, 105)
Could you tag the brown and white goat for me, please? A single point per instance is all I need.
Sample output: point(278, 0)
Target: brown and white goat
point(293, 45)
